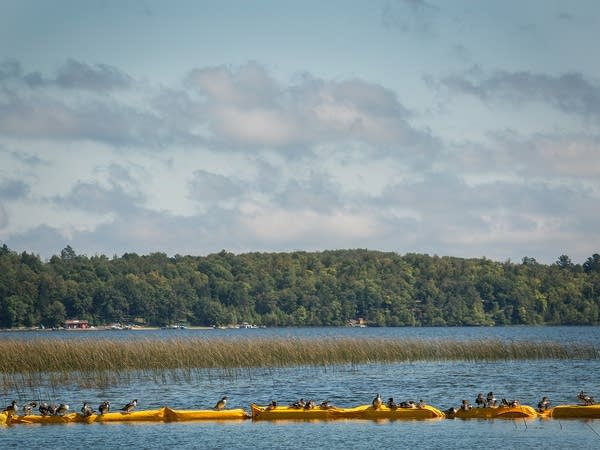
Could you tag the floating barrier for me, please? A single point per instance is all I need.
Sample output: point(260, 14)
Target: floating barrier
point(153, 415)
point(499, 412)
point(366, 412)
point(383, 412)
point(333, 413)
point(574, 412)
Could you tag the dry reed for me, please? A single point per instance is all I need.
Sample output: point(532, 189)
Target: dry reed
point(105, 360)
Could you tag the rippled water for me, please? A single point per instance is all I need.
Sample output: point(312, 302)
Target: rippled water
point(442, 384)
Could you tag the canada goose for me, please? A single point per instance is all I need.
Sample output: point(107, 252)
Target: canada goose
point(62, 409)
point(490, 399)
point(480, 401)
point(28, 408)
point(104, 407)
point(586, 399)
point(129, 406)
point(44, 409)
point(86, 410)
point(221, 404)
point(13, 408)
point(544, 404)
point(377, 402)
point(299, 404)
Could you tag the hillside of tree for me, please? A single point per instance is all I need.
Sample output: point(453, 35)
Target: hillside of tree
point(295, 289)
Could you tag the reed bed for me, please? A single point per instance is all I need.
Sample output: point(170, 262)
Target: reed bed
point(17, 356)
point(105, 359)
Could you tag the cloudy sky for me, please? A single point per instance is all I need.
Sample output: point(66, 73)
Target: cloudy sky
point(463, 128)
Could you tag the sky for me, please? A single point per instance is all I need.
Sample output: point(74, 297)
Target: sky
point(465, 128)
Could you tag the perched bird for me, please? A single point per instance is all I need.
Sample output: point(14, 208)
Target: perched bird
point(421, 404)
point(377, 402)
point(490, 399)
point(408, 404)
point(52, 409)
point(544, 404)
point(271, 405)
point(104, 407)
point(129, 406)
point(325, 404)
point(310, 404)
point(44, 409)
point(514, 403)
point(62, 409)
point(465, 406)
point(12, 408)
point(299, 404)
point(586, 399)
point(86, 410)
point(391, 403)
point(221, 404)
point(28, 408)
point(451, 412)
point(480, 401)
point(504, 402)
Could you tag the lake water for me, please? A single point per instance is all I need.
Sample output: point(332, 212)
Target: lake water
point(442, 384)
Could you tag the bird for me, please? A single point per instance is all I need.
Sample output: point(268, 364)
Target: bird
point(129, 406)
point(421, 404)
point(325, 404)
point(544, 404)
point(62, 409)
point(391, 403)
point(310, 404)
point(221, 404)
point(44, 409)
point(490, 399)
point(104, 407)
point(465, 406)
point(52, 409)
point(28, 408)
point(586, 399)
point(480, 401)
point(86, 410)
point(298, 404)
point(271, 405)
point(13, 408)
point(377, 402)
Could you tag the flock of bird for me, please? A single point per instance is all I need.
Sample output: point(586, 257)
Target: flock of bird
point(46, 409)
point(489, 401)
point(51, 409)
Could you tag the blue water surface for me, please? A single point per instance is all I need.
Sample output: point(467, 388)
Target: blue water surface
point(442, 384)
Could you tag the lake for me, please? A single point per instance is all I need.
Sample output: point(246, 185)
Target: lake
point(442, 384)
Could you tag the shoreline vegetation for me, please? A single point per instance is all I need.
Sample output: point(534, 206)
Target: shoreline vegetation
point(327, 288)
point(112, 361)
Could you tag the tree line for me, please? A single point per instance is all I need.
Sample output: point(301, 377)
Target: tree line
point(327, 288)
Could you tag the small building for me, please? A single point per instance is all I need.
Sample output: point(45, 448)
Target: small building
point(76, 324)
point(358, 323)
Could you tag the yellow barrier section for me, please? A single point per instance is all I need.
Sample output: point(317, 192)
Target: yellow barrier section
point(574, 412)
point(154, 415)
point(500, 412)
point(358, 412)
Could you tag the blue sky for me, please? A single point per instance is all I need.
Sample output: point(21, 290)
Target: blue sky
point(464, 128)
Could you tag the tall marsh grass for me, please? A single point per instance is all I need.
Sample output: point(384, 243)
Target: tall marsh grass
point(105, 360)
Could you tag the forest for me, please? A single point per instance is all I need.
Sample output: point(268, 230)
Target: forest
point(327, 288)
